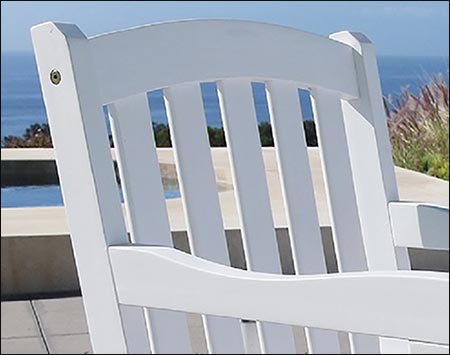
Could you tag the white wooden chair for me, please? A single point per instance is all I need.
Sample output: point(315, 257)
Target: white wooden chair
point(135, 291)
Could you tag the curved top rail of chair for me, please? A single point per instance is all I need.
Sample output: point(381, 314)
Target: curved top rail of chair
point(160, 55)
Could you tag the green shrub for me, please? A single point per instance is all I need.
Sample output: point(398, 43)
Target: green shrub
point(38, 136)
point(216, 137)
point(310, 133)
point(265, 134)
point(162, 135)
point(35, 136)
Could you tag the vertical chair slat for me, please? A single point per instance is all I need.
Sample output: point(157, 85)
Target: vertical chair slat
point(131, 126)
point(253, 203)
point(200, 199)
point(135, 329)
point(338, 181)
point(147, 215)
point(347, 235)
point(298, 194)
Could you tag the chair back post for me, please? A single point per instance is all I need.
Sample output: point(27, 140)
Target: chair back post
point(85, 167)
point(372, 166)
point(370, 154)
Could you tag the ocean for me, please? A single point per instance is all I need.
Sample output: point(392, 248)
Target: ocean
point(22, 104)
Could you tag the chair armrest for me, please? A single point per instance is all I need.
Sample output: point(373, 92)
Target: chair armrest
point(420, 225)
point(408, 304)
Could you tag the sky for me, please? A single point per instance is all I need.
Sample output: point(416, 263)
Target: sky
point(407, 28)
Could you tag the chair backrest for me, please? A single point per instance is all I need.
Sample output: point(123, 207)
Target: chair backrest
point(79, 75)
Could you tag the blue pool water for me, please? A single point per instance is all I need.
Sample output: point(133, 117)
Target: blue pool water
point(40, 196)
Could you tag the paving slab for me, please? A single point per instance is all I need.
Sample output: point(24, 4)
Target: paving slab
point(18, 320)
point(197, 333)
point(61, 316)
point(32, 345)
point(70, 344)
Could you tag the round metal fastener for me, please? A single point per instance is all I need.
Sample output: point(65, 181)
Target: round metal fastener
point(55, 77)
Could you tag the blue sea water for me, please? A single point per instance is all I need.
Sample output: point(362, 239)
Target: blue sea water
point(22, 105)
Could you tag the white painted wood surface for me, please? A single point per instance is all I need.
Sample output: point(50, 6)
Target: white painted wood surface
point(341, 195)
point(252, 196)
point(399, 346)
point(368, 141)
point(200, 199)
point(354, 145)
point(86, 172)
point(395, 346)
point(135, 329)
point(401, 304)
point(428, 348)
point(143, 192)
point(420, 225)
point(367, 138)
point(160, 55)
point(298, 195)
point(338, 180)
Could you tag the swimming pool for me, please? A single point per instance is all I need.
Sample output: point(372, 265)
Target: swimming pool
point(50, 195)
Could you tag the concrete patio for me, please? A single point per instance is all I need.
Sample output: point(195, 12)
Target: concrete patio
point(55, 326)
point(58, 326)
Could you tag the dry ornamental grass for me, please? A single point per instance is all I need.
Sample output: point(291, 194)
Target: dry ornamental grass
point(419, 129)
